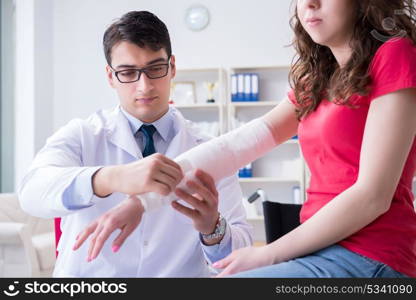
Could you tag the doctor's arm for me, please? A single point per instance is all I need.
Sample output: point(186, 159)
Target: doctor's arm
point(58, 183)
point(155, 173)
point(381, 164)
point(43, 192)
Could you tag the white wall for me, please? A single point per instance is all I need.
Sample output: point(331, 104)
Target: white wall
point(241, 33)
point(34, 83)
point(24, 87)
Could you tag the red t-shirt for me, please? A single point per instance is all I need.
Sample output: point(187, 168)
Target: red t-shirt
point(330, 140)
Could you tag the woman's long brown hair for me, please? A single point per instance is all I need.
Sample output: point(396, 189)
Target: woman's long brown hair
point(315, 73)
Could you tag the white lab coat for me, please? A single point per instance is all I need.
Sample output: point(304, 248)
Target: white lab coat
point(165, 244)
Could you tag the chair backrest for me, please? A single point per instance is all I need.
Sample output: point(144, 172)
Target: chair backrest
point(12, 212)
point(58, 232)
point(279, 219)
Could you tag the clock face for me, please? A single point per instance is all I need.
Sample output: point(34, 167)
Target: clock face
point(197, 17)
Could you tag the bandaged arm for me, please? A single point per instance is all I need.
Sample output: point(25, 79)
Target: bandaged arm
point(219, 157)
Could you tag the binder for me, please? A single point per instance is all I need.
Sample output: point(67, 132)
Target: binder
point(240, 87)
point(249, 172)
point(254, 96)
point(247, 87)
point(245, 172)
point(233, 87)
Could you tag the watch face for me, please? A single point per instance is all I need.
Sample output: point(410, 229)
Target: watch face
point(221, 226)
point(219, 230)
point(197, 17)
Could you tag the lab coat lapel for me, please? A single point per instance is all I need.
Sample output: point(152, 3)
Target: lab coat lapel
point(120, 135)
point(183, 139)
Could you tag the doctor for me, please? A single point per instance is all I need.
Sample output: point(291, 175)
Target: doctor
point(87, 169)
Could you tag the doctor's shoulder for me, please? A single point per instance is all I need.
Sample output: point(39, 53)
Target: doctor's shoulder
point(94, 125)
point(101, 121)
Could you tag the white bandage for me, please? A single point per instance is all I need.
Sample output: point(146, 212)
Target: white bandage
point(219, 157)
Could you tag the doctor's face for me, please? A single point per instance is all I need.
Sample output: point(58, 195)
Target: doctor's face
point(147, 99)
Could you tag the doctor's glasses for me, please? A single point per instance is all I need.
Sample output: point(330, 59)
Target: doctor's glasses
point(152, 72)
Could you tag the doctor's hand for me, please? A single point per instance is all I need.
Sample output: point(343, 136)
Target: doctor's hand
point(204, 202)
point(126, 216)
point(244, 259)
point(154, 173)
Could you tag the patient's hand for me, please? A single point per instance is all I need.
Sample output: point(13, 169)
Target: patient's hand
point(126, 216)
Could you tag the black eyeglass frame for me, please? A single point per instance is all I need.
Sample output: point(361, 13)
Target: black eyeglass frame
point(141, 71)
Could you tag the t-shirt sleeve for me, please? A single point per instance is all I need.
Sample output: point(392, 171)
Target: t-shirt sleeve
point(393, 68)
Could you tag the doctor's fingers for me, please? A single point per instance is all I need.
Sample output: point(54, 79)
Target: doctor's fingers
point(85, 234)
point(92, 241)
point(165, 160)
point(97, 242)
point(124, 234)
point(175, 174)
point(162, 183)
point(159, 163)
point(207, 181)
point(210, 198)
point(189, 212)
point(193, 201)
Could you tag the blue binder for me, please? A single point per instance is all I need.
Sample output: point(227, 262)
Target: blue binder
point(240, 87)
point(234, 87)
point(254, 95)
point(247, 87)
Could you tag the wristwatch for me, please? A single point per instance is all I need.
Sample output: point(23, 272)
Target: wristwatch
point(219, 230)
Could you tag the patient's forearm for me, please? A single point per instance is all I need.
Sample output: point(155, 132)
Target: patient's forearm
point(220, 157)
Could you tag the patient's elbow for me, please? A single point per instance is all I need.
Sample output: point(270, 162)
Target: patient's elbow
point(385, 205)
point(379, 199)
point(382, 202)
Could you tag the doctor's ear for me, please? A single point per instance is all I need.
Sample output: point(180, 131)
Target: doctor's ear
point(172, 66)
point(110, 76)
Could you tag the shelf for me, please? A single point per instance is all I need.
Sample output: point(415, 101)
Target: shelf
point(267, 180)
point(199, 106)
point(254, 103)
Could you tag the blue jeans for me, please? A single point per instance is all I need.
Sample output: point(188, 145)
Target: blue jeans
point(334, 261)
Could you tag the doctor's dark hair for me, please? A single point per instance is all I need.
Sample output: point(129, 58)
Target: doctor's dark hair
point(315, 73)
point(141, 28)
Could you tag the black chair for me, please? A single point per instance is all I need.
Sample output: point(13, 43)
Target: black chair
point(279, 219)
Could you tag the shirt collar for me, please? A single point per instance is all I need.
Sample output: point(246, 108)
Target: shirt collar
point(164, 125)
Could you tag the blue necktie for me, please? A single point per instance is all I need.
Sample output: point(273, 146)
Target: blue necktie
point(148, 131)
